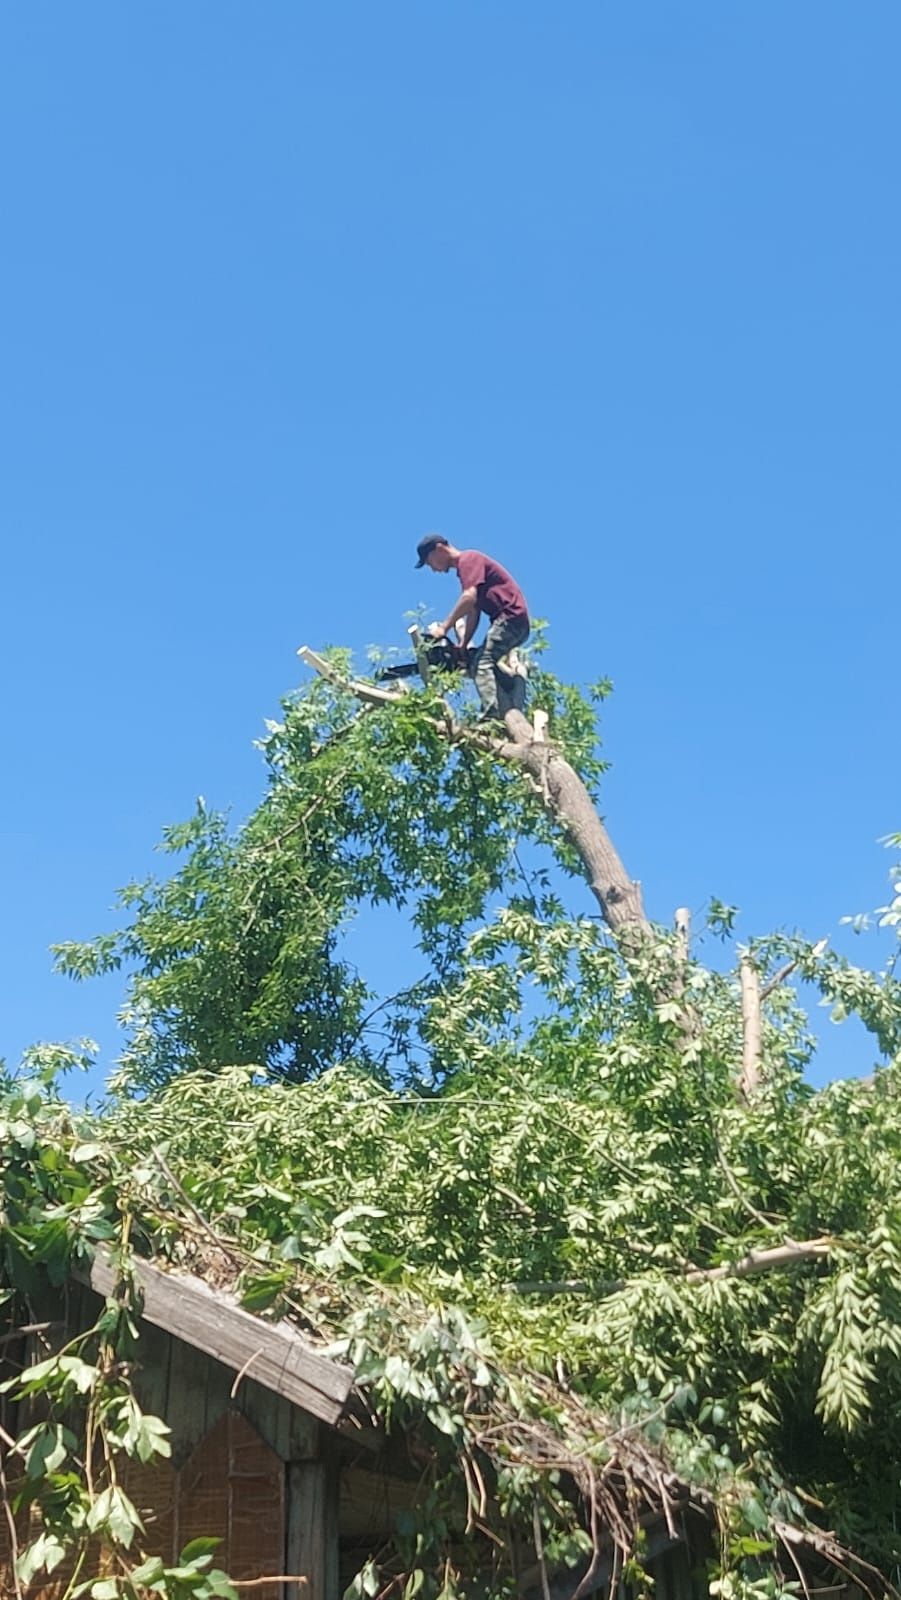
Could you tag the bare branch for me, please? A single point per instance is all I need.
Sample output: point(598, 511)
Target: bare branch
point(794, 1253)
point(367, 692)
point(751, 1027)
point(777, 978)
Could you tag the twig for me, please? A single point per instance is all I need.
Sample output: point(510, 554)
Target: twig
point(199, 1218)
point(798, 1568)
point(277, 1577)
point(243, 1372)
point(759, 1216)
point(517, 1200)
point(293, 827)
point(28, 1327)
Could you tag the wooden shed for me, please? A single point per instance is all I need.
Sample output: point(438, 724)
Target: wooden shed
point(272, 1450)
point(265, 1430)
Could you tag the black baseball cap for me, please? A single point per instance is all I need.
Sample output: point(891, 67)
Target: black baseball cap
point(427, 544)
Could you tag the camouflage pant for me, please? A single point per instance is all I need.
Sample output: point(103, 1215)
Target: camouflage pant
point(497, 692)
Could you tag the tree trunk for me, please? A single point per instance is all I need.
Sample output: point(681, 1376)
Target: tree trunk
point(566, 797)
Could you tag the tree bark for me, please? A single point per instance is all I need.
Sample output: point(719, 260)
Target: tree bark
point(567, 799)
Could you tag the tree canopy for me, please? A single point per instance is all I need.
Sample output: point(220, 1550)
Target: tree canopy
point(532, 1194)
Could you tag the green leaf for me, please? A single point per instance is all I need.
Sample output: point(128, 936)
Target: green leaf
point(113, 1514)
point(198, 1547)
point(44, 1554)
point(49, 1450)
point(149, 1572)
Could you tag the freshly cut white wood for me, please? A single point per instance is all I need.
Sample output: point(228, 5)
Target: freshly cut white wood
point(367, 692)
point(751, 1027)
point(212, 1320)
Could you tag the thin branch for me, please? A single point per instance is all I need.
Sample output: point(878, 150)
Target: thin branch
point(777, 978)
point(276, 1577)
point(293, 827)
point(729, 1175)
point(199, 1218)
point(779, 1257)
point(539, 1550)
point(517, 1200)
point(367, 692)
point(28, 1327)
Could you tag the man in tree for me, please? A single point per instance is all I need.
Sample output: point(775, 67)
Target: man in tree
point(486, 586)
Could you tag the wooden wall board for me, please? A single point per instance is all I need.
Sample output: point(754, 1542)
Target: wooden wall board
point(292, 1433)
point(190, 1409)
point(311, 1544)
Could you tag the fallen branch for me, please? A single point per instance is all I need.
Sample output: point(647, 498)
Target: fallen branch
point(793, 1253)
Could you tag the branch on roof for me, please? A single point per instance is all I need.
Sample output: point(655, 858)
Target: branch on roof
point(213, 1321)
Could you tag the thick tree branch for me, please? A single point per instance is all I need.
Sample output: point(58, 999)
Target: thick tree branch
point(793, 1253)
point(778, 1258)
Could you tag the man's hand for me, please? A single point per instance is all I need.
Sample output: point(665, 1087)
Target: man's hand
point(437, 630)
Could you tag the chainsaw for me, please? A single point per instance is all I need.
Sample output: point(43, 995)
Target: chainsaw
point(431, 655)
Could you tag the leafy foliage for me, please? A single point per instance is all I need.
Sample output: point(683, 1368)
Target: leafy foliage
point(532, 1217)
point(237, 956)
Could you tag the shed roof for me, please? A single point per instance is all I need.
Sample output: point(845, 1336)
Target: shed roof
point(211, 1320)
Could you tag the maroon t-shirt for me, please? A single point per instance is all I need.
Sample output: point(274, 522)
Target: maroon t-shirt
point(496, 592)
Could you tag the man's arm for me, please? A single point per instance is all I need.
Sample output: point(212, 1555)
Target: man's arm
point(467, 606)
point(472, 622)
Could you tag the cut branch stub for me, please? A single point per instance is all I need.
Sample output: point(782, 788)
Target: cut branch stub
point(751, 1027)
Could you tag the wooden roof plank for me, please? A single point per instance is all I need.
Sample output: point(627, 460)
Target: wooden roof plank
point(212, 1321)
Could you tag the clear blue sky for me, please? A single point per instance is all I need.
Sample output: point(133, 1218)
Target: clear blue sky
point(609, 290)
